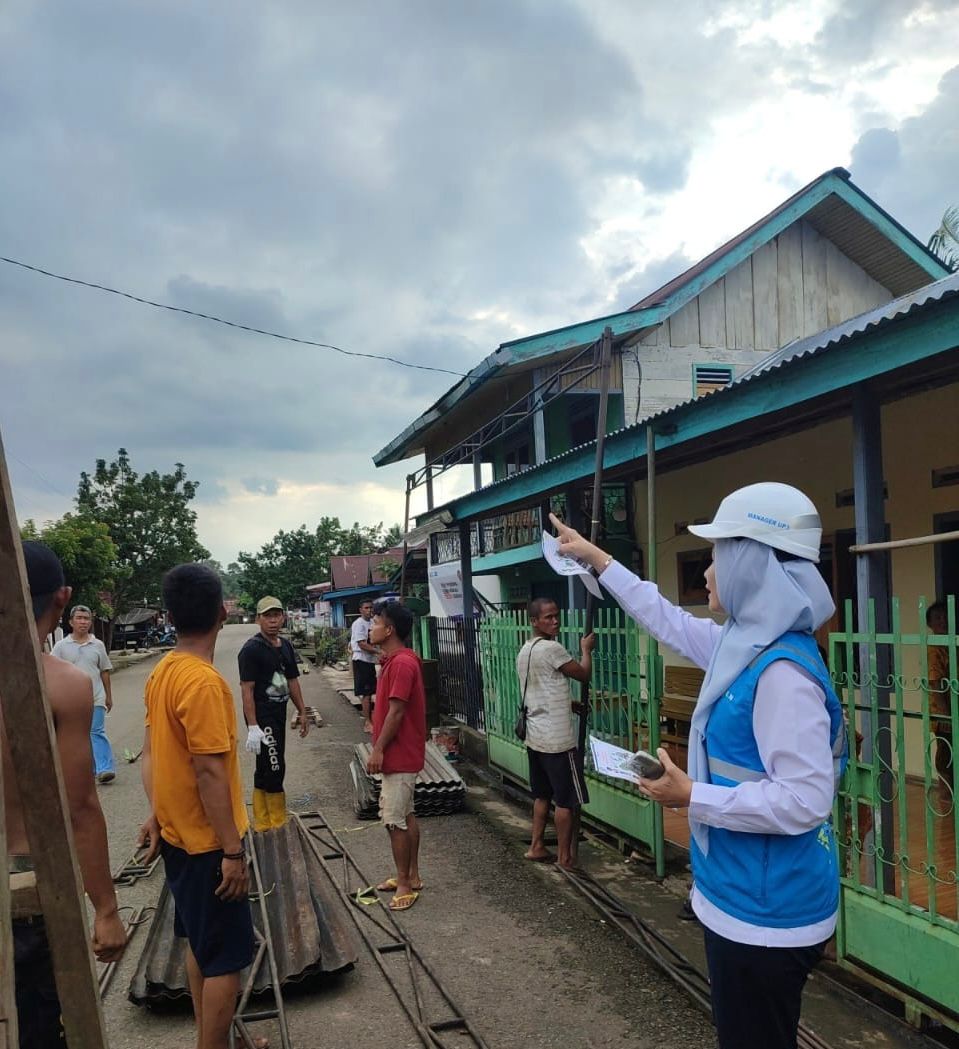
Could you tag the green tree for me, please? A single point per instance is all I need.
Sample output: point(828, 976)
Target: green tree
point(293, 560)
point(229, 577)
point(89, 557)
point(945, 241)
point(149, 519)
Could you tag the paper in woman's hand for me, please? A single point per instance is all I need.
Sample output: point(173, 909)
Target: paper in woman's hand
point(610, 760)
point(563, 564)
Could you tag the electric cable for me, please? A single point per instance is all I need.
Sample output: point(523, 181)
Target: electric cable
point(222, 320)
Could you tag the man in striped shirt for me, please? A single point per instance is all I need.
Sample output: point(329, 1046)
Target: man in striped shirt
point(545, 668)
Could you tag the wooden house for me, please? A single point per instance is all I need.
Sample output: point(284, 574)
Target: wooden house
point(826, 254)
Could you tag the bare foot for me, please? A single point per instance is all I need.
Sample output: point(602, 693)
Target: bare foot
point(539, 856)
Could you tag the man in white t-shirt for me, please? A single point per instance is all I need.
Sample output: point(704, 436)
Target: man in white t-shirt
point(88, 653)
point(545, 668)
point(364, 657)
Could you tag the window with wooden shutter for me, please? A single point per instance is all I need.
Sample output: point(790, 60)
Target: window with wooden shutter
point(708, 378)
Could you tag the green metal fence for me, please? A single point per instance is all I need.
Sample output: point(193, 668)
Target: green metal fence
point(625, 709)
point(897, 821)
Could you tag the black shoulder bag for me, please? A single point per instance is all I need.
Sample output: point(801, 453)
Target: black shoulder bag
point(520, 727)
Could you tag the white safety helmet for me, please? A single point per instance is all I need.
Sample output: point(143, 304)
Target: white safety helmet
point(774, 514)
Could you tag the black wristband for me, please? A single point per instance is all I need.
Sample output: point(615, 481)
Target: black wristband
point(235, 855)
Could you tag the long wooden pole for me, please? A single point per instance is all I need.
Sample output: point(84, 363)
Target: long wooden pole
point(36, 767)
point(406, 528)
point(596, 514)
point(898, 544)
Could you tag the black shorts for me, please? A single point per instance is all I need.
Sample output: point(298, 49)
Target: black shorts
point(557, 778)
point(220, 931)
point(364, 678)
point(38, 1008)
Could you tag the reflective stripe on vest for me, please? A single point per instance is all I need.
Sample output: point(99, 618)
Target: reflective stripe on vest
point(736, 773)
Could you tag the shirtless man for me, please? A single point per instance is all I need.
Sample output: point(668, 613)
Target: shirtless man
point(70, 694)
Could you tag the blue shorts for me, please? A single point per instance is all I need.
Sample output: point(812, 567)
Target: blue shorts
point(220, 931)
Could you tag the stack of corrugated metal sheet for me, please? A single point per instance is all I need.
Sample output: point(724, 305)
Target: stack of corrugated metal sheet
point(439, 789)
point(311, 935)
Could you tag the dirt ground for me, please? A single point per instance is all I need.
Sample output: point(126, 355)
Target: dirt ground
point(523, 958)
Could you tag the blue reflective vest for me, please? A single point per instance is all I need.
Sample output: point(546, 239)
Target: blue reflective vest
point(779, 881)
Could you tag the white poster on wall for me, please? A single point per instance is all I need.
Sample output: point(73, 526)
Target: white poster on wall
point(447, 584)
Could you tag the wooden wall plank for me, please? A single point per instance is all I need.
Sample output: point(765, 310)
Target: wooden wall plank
point(740, 333)
point(684, 325)
point(34, 754)
point(851, 290)
point(815, 314)
point(766, 296)
point(789, 283)
point(838, 278)
point(657, 337)
point(712, 314)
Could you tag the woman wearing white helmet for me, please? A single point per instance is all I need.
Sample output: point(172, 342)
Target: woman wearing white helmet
point(766, 747)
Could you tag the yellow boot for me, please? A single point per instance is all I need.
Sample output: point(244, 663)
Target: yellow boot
point(261, 809)
point(276, 803)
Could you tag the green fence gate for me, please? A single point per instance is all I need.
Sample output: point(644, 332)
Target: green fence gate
point(897, 822)
point(625, 709)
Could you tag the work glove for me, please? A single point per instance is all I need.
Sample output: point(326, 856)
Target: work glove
point(254, 739)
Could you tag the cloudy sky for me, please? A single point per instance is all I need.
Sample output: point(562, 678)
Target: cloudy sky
point(424, 179)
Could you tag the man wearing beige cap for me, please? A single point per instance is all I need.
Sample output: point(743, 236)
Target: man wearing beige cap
point(268, 679)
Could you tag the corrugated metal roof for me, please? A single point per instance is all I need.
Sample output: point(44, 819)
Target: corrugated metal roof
point(311, 935)
point(930, 295)
point(350, 571)
point(439, 788)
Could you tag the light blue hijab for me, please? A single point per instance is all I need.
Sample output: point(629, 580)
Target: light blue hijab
point(764, 598)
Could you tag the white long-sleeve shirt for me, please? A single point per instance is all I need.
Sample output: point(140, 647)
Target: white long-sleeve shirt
point(791, 726)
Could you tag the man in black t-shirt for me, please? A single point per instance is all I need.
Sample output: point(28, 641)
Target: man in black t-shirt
point(268, 679)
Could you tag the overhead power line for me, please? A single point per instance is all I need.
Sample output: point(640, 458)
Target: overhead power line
point(223, 320)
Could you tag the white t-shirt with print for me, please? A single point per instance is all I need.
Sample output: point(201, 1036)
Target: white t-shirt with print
point(550, 726)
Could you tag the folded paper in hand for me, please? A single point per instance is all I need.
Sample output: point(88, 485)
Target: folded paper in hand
point(610, 760)
point(563, 564)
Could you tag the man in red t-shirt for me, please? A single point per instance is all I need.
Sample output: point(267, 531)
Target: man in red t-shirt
point(399, 745)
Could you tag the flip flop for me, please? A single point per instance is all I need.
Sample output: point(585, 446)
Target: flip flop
point(390, 886)
point(404, 902)
point(548, 858)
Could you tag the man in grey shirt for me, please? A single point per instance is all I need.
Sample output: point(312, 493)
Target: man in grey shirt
point(88, 653)
point(545, 669)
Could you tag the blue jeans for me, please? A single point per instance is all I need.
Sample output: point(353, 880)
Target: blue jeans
point(102, 751)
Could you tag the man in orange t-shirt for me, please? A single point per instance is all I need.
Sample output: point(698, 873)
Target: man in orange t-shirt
point(192, 778)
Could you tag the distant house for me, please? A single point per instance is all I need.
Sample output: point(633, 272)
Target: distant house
point(320, 609)
point(361, 577)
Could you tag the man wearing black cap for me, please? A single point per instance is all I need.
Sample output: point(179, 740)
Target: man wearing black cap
point(70, 694)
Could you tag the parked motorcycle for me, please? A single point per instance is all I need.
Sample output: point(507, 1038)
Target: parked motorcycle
point(160, 637)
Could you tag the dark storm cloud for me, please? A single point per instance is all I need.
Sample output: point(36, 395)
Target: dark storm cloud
point(912, 170)
point(407, 179)
point(858, 28)
point(653, 275)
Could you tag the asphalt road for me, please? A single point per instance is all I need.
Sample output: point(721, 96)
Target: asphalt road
point(520, 953)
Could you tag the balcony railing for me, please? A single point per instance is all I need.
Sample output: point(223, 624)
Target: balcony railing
point(491, 536)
